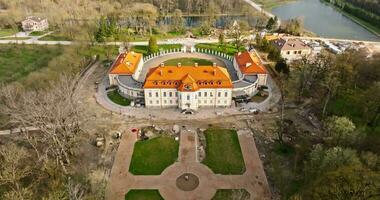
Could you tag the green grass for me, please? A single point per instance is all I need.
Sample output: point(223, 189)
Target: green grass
point(14, 38)
point(229, 49)
point(55, 37)
point(17, 61)
point(152, 157)
point(144, 49)
point(223, 152)
point(143, 195)
point(115, 97)
point(187, 62)
point(37, 33)
point(228, 194)
point(7, 32)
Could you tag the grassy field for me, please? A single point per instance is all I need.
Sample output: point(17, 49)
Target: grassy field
point(223, 152)
point(227, 194)
point(229, 49)
point(144, 49)
point(187, 62)
point(7, 32)
point(55, 37)
point(153, 156)
point(143, 195)
point(38, 33)
point(14, 38)
point(270, 4)
point(18, 61)
point(115, 97)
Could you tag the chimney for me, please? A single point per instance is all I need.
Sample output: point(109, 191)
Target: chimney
point(179, 65)
point(248, 64)
point(162, 65)
point(128, 64)
point(214, 72)
point(195, 64)
point(133, 53)
point(161, 72)
point(239, 53)
point(214, 64)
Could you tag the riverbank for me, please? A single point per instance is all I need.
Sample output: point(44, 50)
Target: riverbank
point(270, 4)
point(373, 29)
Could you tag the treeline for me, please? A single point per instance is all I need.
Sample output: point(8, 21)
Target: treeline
point(369, 5)
point(359, 10)
point(340, 157)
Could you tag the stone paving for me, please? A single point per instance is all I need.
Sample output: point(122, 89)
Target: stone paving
point(253, 180)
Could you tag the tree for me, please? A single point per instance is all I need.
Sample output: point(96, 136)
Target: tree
point(271, 22)
point(152, 46)
point(13, 170)
point(221, 38)
point(281, 66)
point(341, 129)
point(177, 21)
point(55, 111)
point(346, 183)
point(323, 160)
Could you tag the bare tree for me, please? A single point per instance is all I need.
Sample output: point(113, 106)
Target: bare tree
point(13, 170)
point(55, 111)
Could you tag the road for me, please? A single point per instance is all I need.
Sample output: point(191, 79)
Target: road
point(258, 8)
point(332, 39)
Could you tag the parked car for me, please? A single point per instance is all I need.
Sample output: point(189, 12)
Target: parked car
point(187, 112)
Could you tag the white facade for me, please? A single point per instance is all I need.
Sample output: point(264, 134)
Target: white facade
point(163, 98)
point(291, 55)
point(34, 24)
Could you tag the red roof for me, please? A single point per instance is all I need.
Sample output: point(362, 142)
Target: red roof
point(249, 63)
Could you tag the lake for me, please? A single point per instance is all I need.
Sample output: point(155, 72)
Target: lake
point(324, 20)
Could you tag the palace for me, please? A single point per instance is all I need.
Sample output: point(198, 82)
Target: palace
point(187, 87)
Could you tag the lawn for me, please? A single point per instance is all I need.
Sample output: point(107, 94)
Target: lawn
point(7, 32)
point(227, 194)
point(15, 38)
point(55, 37)
point(229, 49)
point(17, 61)
point(153, 156)
point(144, 49)
point(187, 62)
point(223, 152)
point(37, 33)
point(143, 195)
point(115, 97)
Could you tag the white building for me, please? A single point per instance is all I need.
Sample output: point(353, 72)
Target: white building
point(33, 23)
point(188, 87)
point(291, 49)
point(251, 73)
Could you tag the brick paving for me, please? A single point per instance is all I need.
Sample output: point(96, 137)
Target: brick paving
point(253, 180)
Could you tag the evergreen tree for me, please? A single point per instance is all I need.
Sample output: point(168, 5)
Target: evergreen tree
point(152, 47)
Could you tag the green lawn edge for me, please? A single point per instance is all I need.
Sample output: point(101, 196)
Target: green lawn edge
point(115, 97)
point(143, 195)
point(223, 152)
point(153, 156)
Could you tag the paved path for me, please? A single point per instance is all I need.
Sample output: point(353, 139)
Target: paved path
point(253, 180)
point(266, 13)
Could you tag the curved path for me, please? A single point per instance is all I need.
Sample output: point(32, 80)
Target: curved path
point(253, 180)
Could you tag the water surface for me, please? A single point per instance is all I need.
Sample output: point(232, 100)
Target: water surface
point(324, 20)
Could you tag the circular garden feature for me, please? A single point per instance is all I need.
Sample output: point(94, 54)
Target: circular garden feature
point(187, 182)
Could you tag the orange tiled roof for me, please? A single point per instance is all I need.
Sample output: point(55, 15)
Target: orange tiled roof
point(188, 78)
point(126, 63)
point(249, 63)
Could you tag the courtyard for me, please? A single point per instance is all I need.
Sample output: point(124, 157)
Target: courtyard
point(163, 168)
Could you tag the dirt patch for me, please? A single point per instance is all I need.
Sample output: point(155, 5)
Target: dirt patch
point(187, 182)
